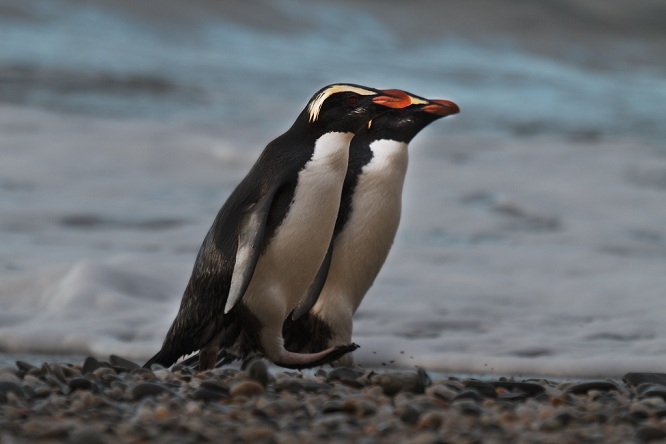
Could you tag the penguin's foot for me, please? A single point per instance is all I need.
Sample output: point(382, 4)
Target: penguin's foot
point(299, 361)
point(207, 358)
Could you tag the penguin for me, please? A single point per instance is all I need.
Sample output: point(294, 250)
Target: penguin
point(269, 238)
point(365, 228)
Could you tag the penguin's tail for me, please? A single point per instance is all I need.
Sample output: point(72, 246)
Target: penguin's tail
point(163, 357)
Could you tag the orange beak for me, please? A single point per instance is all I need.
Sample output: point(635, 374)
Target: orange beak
point(441, 108)
point(393, 98)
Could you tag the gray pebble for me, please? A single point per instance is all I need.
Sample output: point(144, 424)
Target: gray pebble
point(7, 387)
point(471, 394)
point(209, 395)
point(24, 366)
point(393, 383)
point(246, 388)
point(82, 384)
point(340, 373)
point(648, 433)
point(90, 365)
point(636, 379)
point(409, 414)
point(648, 390)
point(123, 363)
point(556, 422)
point(257, 370)
point(333, 406)
point(144, 389)
point(210, 384)
point(86, 435)
point(528, 388)
point(295, 385)
point(592, 385)
point(483, 388)
point(468, 408)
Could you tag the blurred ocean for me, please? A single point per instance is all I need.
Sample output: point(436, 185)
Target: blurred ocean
point(533, 237)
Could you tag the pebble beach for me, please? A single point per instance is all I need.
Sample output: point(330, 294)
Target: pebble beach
point(96, 402)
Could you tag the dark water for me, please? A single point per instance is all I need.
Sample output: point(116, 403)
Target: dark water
point(580, 71)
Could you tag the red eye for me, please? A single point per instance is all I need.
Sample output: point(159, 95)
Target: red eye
point(352, 100)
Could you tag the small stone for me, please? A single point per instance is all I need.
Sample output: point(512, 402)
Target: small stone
point(246, 388)
point(393, 383)
point(55, 382)
point(57, 372)
point(430, 420)
point(341, 373)
point(86, 435)
point(333, 406)
point(24, 366)
point(81, 384)
point(484, 389)
point(7, 387)
point(528, 388)
point(354, 383)
point(140, 371)
point(513, 396)
point(648, 390)
point(90, 365)
point(211, 384)
point(209, 395)
point(70, 371)
point(260, 433)
point(469, 408)
point(257, 370)
point(360, 407)
point(648, 433)
point(442, 392)
point(105, 374)
point(636, 379)
point(557, 422)
point(295, 385)
point(424, 438)
point(471, 394)
point(10, 377)
point(409, 414)
point(123, 363)
point(280, 407)
point(144, 389)
point(161, 412)
point(584, 387)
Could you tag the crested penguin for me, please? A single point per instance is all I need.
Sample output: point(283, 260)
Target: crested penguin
point(365, 227)
point(269, 238)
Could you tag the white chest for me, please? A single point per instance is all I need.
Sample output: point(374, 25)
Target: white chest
point(362, 247)
point(299, 245)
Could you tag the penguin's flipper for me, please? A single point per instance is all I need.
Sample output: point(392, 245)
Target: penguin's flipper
point(311, 297)
point(250, 239)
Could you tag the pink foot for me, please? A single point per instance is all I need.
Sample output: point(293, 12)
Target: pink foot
point(306, 360)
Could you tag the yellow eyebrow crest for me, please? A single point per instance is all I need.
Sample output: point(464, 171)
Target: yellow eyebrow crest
point(418, 100)
point(316, 103)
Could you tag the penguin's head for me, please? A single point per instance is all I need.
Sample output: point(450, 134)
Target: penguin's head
point(348, 107)
point(405, 123)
